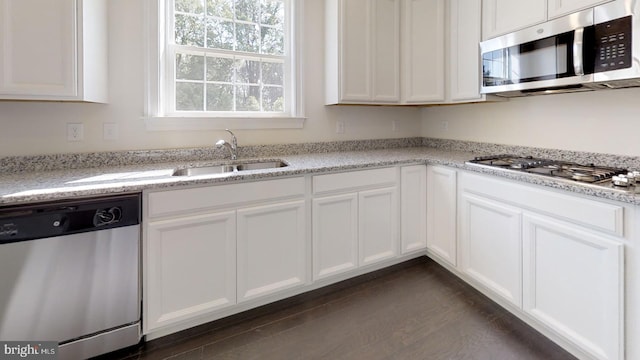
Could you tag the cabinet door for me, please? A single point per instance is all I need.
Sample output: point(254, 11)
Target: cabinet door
point(386, 50)
point(413, 208)
point(355, 49)
point(573, 282)
point(423, 51)
point(190, 267)
point(503, 16)
point(335, 235)
point(38, 48)
point(377, 229)
point(272, 249)
point(464, 53)
point(491, 243)
point(559, 8)
point(441, 213)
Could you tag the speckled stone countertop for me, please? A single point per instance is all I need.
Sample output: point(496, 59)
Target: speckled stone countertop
point(108, 179)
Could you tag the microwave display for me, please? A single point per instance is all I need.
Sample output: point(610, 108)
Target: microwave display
point(612, 42)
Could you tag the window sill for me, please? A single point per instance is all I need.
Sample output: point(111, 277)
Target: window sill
point(165, 123)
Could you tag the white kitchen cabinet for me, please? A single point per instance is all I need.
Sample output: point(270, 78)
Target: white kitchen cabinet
point(557, 8)
point(441, 213)
point(491, 245)
point(563, 252)
point(191, 267)
point(53, 50)
point(413, 208)
point(335, 234)
point(464, 35)
point(377, 221)
point(573, 283)
point(355, 220)
point(362, 51)
point(272, 249)
point(500, 17)
point(503, 16)
point(423, 51)
point(209, 249)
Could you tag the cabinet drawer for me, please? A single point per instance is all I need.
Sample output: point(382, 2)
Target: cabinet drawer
point(593, 214)
point(354, 179)
point(196, 199)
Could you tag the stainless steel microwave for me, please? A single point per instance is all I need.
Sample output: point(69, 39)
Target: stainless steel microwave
point(598, 48)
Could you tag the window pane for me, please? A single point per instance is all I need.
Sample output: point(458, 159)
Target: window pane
point(219, 69)
point(247, 38)
point(272, 73)
point(190, 6)
point(220, 8)
point(272, 41)
point(272, 13)
point(247, 98)
point(272, 99)
point(189, 96)
point(189, 67)
point(248, 10)
point(220, 34)
point(247, 72)
point(189, 30)
point(219, 97)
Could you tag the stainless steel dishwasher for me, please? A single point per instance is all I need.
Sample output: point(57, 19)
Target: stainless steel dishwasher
point(70, 273)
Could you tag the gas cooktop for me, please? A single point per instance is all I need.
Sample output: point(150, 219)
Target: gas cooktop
point(585, 173)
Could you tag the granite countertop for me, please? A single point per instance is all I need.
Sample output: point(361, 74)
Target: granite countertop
point(47, 185)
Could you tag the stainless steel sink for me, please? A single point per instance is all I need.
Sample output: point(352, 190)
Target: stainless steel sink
point(221, 169)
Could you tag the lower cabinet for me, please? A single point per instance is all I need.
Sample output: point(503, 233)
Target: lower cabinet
point(271, 250)
point(191, 267)
point(441, 213)
point(205, 253)
point(377, 221)
point(356, 217)
point(335, 234)
point(413, 208)
point(491, 245)
point(573, 283)
point(518, 243)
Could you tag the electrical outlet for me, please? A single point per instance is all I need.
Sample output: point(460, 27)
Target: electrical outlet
point(444, 125)
point(110, 131)
point(394, 125)
point(339, 127)
point(75, 131)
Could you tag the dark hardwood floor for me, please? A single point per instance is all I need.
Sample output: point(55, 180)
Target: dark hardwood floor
point(415, 310)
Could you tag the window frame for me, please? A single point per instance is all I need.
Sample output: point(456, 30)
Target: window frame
point(158, 118)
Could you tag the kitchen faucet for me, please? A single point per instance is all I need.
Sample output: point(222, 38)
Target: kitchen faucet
point(233, 147)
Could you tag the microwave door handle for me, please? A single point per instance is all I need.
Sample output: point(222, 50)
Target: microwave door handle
point(578, 43)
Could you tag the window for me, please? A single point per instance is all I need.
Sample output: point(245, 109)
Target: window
point(224, 59)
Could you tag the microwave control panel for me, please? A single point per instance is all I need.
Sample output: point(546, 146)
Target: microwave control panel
point(613, 45)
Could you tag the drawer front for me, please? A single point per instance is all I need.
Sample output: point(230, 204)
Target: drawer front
point(593, 214)
point(354, 180)
point(172, 202)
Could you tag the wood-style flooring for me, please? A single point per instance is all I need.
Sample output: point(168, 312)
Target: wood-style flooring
point(415, 310)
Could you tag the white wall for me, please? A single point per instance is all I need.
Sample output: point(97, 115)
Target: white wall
point(604, 121)
point(30, 128)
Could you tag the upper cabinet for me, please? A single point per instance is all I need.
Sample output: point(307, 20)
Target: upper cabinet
point(363, 51)
point(396, 52)
point(423, 48)
point(53, 50)
point(563, 7)
point(505, 16)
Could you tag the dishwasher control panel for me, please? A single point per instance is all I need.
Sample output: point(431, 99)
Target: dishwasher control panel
point(28, 222)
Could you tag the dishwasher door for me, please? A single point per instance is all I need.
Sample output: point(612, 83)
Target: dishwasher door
point(81, 290)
